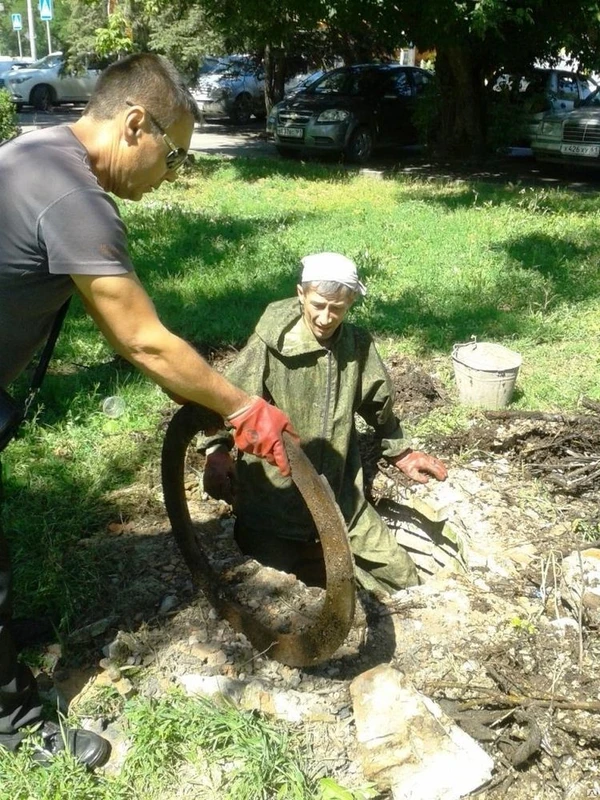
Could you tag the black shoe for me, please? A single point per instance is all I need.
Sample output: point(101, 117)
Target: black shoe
point(29, 631)
point(87, 747)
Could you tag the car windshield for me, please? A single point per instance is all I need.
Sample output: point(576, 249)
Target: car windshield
point(521, 84)
point(47, 62)
point(225, 66)
point(347, 81)
point(593, 100)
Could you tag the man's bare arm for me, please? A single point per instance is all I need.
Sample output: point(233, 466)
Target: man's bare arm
point(125, 314)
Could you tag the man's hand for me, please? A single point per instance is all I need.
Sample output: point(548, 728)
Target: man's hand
point(219, 476)
point(258, 430)
point(418, 466)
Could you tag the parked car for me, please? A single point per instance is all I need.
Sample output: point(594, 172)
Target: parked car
point(571, 138)
point(45, 84)
point(350, 111)
point(301, 82)
point(8, 63)
point(539, 92)
point(231, 86)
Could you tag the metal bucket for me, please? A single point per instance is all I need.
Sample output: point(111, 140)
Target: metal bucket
point(485, 373)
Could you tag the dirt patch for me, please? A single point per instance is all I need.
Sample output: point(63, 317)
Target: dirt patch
point(507, 646)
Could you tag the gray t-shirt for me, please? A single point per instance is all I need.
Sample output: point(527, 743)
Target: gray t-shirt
point(55, 221)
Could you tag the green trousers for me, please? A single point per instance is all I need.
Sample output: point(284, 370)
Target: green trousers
point(380, 563)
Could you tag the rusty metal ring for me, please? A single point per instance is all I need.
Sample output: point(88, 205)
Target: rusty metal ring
point(320, 639)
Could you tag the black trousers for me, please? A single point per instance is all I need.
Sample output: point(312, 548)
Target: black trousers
point(19, 701)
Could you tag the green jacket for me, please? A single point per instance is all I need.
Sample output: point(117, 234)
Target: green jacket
point(320, 389)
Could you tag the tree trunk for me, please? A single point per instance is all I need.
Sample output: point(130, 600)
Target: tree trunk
point(274, 75)
point(462, 103)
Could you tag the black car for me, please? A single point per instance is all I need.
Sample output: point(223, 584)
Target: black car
point(351, 111)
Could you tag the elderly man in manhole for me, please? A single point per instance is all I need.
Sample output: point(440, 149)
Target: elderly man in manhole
point(304, 357)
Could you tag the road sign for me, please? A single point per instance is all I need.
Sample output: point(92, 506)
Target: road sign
point(46, 10)
point(16, 22)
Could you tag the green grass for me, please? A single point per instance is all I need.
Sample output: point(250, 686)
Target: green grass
point(179, 748)
point(443, 260)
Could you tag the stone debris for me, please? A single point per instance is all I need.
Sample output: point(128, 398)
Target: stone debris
point(168, 604)
point(260, 695)
point(213, 686)
point(580, 584)
point(407, 743)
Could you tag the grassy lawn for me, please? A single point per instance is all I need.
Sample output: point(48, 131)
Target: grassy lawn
point(442, 261)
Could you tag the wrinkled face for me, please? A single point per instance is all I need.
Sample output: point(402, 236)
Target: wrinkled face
point(323, 315)
point(143, 165)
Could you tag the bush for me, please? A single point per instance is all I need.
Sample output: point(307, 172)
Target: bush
point(8, 117)
point(507, 119)
point(427, 115)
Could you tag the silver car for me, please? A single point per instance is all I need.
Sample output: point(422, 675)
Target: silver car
point(572, 138)
point(232, 87)
point(540, 92)
point(45, 84)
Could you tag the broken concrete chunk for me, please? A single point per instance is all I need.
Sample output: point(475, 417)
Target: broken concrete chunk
point(580, 583)
point(212, 685)
point(409, 745)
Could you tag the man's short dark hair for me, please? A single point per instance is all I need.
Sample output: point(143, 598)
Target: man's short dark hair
point(145, 79)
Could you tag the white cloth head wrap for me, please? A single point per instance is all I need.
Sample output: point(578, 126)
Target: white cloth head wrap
point(331, 267)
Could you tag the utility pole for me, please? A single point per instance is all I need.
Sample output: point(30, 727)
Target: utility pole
point(31, 30)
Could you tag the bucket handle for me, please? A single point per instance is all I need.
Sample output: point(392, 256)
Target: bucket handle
point(456, 347)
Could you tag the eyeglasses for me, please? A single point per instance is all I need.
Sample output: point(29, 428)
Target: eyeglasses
point(176, 156)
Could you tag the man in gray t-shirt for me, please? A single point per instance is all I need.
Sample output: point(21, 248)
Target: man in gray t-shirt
point(57, 224)
point(60, 232)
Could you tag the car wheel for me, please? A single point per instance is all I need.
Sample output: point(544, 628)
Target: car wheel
point(41, 98)
point(242, 110)
point(360, 146)
point(287, 152)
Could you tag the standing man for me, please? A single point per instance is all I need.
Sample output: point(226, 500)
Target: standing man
point(61, 233)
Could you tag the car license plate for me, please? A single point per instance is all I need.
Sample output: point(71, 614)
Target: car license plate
point(590, 150)
point(290, 133)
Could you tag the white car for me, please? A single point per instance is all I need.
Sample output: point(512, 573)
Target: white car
point(540, 92)
point(231, 86)
point(7, 63)
point(44, 85)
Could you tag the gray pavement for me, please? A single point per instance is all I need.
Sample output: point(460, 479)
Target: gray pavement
point(222, 138)
point(212, 137)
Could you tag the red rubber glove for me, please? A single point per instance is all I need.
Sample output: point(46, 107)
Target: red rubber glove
point(258, 430)
point(418, 466)
point(219, 476)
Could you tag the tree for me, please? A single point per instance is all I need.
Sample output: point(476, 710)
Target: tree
point(267, 28)
point(474, 38)
point(181, 31)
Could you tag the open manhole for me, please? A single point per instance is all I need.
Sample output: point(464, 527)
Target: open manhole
point(292, 623)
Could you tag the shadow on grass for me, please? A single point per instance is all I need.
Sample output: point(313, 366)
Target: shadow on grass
point(169, 244)
point(546, 273)
point(330, 170)
point(92, 549)
point(467, 193)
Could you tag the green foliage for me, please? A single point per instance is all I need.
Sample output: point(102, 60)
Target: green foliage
point(183, 33)
point(331, 790)
point(116, 37)
point(427, 114)
point(523, 625)
point(8, 117)
point(507, 123)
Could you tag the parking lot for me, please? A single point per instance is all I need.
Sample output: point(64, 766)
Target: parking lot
point(222, 138)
